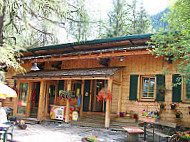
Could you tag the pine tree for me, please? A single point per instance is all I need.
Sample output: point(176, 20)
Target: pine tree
point(117, 24)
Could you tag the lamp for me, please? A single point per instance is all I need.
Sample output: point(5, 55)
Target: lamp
point(35, 67)
point(121, 59)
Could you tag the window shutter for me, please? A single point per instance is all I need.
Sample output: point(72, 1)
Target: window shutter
point(160, 81)
point(60, 85)
point(133, 87)
point(176, 90)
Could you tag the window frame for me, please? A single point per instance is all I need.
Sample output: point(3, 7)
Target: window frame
point(183, 92)
point(141, 82)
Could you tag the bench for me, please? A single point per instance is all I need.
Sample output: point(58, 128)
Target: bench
point(132, 133)
point(162, 124)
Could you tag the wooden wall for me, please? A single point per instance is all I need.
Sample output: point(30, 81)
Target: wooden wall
point(143, 65)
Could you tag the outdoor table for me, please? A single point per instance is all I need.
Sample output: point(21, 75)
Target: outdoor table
point(3, 130)
point(133, 133)
point(147, 120)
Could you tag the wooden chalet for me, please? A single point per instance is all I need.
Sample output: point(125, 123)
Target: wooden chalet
point(122, 63)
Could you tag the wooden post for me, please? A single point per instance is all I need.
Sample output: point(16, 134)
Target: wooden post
point(90, 102)
point(82, 93)
point(56, 92)
point(41, 100)
point(16, 100)
point(107, 117)
point(67, 103)
point(29, 99)
point(120, 90)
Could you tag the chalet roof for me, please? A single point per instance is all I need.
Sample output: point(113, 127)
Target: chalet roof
point(132, 42)
point(68, 73)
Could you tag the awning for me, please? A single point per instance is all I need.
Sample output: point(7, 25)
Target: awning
point(68, 73)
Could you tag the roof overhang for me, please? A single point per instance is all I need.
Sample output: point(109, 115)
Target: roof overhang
point(93, 73)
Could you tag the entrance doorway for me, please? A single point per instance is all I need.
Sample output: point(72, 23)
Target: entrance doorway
point(34, 100)
point(98, 106)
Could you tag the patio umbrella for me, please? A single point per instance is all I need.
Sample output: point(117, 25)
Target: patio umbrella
point(6, 91)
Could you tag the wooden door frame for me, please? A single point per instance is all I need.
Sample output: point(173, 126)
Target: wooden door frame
point(48, 83)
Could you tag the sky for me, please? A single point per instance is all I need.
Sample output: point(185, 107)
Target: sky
point(152, 6)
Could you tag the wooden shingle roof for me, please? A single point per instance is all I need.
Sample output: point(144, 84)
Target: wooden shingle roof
point(68, 73)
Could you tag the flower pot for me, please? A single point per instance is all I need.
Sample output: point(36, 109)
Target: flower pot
point(161, 106)
point(135, 116)
point(173, 107)
point(121, 114)
point(177, 115)
point(147, 119)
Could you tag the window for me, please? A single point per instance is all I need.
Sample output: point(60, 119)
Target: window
point(22, 98)
point(147, 87)
point(186, 92)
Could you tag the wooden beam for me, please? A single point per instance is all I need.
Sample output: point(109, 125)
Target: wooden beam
point(41, 101)
point(82, 93)
point(16, 100)
point(67, 102)
point(107, 116)
point(56, 92)
point(60, 78)
point(95, 56)
point(120, 90)
point(47, 98)
point(90, 102)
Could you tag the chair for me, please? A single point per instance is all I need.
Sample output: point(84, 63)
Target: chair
point(10, 130)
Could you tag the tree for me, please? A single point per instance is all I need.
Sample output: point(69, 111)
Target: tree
point(139, 20)
point(117, 24)
point(176, 42)
point(80, 30)
point(23, 19)
point(127, 19)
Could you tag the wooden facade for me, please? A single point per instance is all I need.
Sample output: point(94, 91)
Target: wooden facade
point(125, 83)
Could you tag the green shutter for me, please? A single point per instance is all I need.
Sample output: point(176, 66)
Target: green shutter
point(133, 87)
point(160, 81)
point(176, 90)
point(60, 85)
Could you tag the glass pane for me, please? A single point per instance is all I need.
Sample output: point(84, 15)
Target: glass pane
point(144, 94)
point(146, 80)
point(152, 80)
point(145, 88)
point(151, 94)
point(151, 88)
point(22, 98)
point(187, 91)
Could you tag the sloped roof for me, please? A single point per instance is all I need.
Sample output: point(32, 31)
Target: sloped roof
point(132, 42)
point(68, 73)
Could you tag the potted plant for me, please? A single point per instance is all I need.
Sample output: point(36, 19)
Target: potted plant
point(178, 114)
point(162, 89)
point(135, 116)
point(127, 114)
point(173, 106)
point(104, 94)
point(162, 105)
point(90, 138)
point(65, 94)
point(148, 117)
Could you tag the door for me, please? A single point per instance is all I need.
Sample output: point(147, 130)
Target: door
point(34, 102)
point(50, 96)
point(86, 95)
point(22, 99)
point(98, 85)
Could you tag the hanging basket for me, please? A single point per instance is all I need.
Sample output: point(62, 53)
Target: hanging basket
point(177, 115)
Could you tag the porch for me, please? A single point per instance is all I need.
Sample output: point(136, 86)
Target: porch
point(38, 91)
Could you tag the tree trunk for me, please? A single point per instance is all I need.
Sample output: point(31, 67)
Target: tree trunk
point(2, 17)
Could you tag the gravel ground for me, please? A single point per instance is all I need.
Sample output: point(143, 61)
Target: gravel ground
point(55, 132)
point(49, 132)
